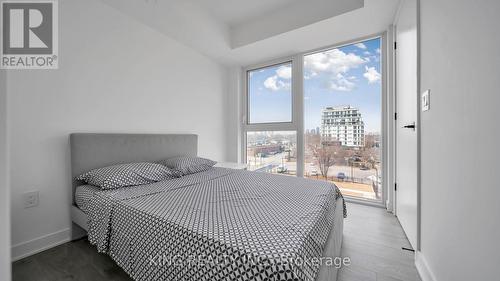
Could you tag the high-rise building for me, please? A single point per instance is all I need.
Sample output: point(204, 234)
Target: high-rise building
point(343, 125)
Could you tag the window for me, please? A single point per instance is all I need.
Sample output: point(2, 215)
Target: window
point(343, 118)
point(272, 152)
point(270, 94)
point(319, 115)
point(271, 130)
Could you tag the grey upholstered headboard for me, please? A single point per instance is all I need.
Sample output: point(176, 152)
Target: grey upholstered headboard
point(91, 151)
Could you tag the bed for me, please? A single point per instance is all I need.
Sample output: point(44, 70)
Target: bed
point(219, 224)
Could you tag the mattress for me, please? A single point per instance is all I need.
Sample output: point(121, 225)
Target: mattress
point(83, 194)
point(220, 224)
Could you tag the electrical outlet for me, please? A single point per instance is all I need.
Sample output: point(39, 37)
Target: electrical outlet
point(30, 199)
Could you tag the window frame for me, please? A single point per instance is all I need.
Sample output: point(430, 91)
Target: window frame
point(296, 92)
point(297, 123)
point(247, 96)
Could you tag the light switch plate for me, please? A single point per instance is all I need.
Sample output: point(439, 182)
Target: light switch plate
point(426, 102)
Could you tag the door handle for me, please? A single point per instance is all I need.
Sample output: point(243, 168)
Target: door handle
point(410, 126)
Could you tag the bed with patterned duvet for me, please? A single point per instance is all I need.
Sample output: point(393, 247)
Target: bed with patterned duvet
point(218, 224)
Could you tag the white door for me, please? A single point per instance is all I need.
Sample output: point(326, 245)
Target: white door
point(406, 108)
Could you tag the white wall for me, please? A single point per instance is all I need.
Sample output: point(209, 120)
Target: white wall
point(184, 21)
point(234, 114)
point(460, 189)
point(115, 75)
point(4, 184)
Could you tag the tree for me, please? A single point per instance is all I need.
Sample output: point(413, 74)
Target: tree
point(326, 158)
point(313, 139)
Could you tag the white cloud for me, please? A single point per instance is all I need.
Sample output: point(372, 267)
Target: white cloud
point(360, 45)
point(281, 80)
point(340, 83)
point(275, 84)
point(377, 50)
point(336, 64)
point(371, 74)
point(334, 61)
point(310, 74)
point(284, 72)
point(366, 53)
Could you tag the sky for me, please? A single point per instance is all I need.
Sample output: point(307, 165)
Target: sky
point(349, 75)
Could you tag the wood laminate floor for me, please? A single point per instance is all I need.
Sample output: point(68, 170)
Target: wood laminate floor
point(372, 240)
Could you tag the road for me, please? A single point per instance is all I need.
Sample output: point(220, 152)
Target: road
point(274, 160)
point(277, 160)
point(357, 173)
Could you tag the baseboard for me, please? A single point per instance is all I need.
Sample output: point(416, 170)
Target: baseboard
point(40, 244)
point(423, 267)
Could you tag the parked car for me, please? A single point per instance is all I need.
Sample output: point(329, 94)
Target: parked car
point(341, 176)
point(282, 169)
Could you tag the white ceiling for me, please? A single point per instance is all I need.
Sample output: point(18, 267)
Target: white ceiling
point(374, 18)
point(244, 32)
point(292, 16)
point(235, 12)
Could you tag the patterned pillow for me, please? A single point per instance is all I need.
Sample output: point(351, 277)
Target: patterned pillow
point(188, 165)
point(127, 175)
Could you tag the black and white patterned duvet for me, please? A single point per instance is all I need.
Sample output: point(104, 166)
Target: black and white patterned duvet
point(219, 224)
